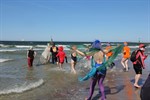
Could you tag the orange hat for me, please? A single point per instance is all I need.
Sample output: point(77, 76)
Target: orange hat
point(142, 46)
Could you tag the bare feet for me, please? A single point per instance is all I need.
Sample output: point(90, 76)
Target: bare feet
point(137, 86)
point(85, 99)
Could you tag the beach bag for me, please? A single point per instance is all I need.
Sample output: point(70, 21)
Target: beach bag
point(133, 56)
point(145, 90)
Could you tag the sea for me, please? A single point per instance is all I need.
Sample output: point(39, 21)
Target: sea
point(16, 78)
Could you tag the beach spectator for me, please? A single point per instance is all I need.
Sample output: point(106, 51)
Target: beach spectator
point(126, 56)
point(30, 56)
point(54, 51)
point(139, 64)
point(45, 57)
point(61, 56)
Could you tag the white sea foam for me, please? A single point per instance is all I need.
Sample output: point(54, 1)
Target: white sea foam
point(23, 46)
point(19, 89)
point(4, 60)
point(134, 46)
point(6, 50)
point(4, 46)
point(41, 46)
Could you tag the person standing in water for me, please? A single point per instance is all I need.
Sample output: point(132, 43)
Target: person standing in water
point(109, 53)
point(73, 59)
point(54, 51)
point(61, 56)
point(139, 64)
point(74, 53)
point(126, 56)
point(30, 56)
point(45, 57)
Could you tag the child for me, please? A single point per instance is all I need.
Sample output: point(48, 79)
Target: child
point(61, 56)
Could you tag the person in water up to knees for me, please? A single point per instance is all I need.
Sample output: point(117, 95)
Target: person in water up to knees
point(30, 56)
point(54, 51)
point(139, 64)
point(61, 56)
point(45, 57)
point(74, 52)
point(126, 56)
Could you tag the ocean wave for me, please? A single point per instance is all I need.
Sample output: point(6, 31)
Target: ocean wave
point(23, 46)
point(4, 60)
point(6, 50)
point(6, 46)
point(22, 88)
point(41, 46)
point(134, 46)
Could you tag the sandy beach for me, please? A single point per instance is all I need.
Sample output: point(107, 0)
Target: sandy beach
point(61, 85)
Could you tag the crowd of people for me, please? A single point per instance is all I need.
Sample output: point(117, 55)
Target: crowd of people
point(57, 56)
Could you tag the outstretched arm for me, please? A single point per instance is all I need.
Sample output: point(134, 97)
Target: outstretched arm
point(79, 52)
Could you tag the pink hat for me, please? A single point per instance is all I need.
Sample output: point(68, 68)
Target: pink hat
point(142, 45)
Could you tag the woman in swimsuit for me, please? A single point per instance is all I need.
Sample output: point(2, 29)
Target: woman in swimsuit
point(74, 53)
point(73, 59)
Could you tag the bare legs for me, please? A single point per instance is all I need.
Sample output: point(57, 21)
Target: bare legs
point(60, 66)
point(124, 63)
point(137, 77)
point(73, 64)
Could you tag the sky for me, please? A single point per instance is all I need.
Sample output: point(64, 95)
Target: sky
point(75, 20)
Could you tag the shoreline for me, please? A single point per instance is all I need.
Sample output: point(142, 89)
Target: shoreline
point(60, 85)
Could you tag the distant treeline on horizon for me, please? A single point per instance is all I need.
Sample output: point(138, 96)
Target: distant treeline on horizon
point(58, 42)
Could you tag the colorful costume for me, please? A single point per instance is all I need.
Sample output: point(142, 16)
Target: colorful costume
point(98, 77)
point(98, 71)
point(61, 55)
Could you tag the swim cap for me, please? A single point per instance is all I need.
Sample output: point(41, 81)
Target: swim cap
point(61, 48)
point(142, 46)
point(96, 44)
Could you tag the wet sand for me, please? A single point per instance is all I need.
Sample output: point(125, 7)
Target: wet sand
point(60, 85)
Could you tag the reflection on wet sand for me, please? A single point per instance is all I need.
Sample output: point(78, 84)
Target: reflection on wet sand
point(109, 91)
point(137, 93)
